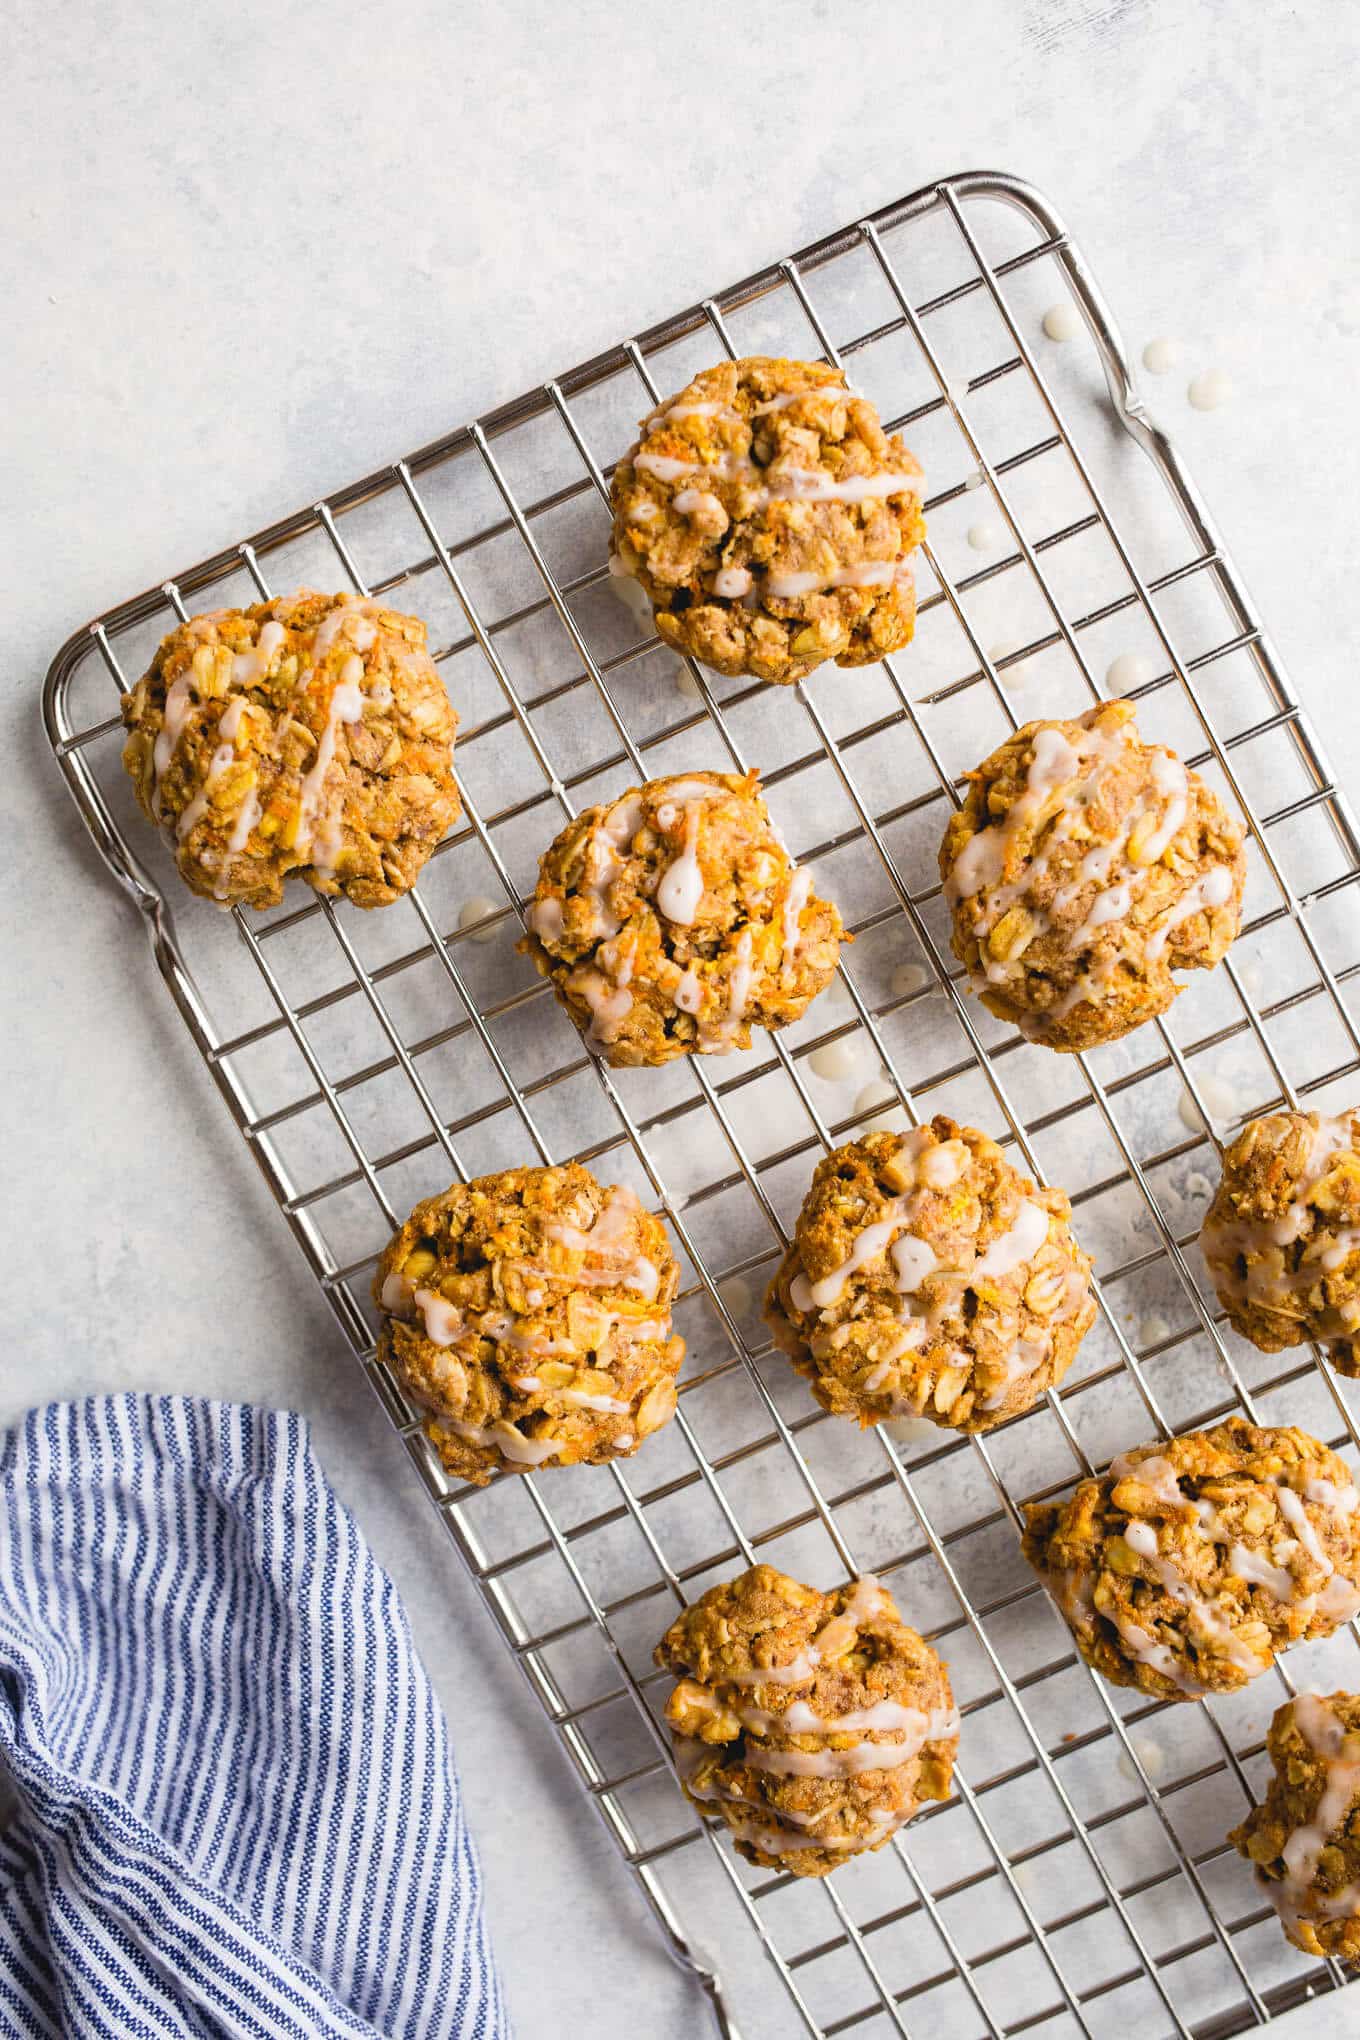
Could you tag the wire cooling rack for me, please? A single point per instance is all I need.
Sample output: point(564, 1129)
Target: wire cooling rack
point(1079, 1877)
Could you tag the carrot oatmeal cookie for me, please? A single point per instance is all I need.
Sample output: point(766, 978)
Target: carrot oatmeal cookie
point(1084, 867)
point(308, 735)
point(1186, 1567)
point(530, 1313)
point(769, 519)
point(1304, 1838)
point(1282, 1236)
point(673, 920)
point(928, 1277)
point(813, 1724)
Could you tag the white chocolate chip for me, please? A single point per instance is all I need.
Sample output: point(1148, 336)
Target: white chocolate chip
point(982, 537)
point(1160, 355)
point(1061, 321)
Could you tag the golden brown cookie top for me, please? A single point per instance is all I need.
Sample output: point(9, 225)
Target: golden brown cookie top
point(308, 735)
point(927, 1276)
point(1189, 1564)
point(769, 518)
point(814, 1724)
point(1282, 1236)
point(1304, 1838)
point(1083, 868)
point(673, 919)
point(530, 1313)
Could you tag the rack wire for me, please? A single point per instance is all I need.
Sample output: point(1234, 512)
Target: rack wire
point(1079, 1876)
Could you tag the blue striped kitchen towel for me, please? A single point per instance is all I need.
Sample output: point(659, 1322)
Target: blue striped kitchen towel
point(237, 1811)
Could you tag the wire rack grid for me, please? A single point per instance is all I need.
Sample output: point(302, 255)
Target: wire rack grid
point(1079, 1876)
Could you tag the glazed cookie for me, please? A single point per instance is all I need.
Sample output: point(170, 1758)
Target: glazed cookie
point(928, 1277)
point(1304, 1838)
point(770, 521)
point(1186, 1567)
point(1084, 867)
point(308, 735)
point(813, 1724)
point(1282, 1236)
point(673, 920)
point(529, 1312)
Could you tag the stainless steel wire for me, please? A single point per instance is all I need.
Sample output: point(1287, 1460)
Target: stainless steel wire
point(1022, 1905)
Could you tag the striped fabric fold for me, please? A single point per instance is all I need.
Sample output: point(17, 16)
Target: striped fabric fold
point(236, 1807)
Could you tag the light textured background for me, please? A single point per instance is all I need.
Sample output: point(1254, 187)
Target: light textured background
point(250, 252)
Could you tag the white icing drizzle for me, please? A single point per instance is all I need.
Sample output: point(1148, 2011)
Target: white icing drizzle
point(247, 815)
point(915, 1263)
point(222, 757)
point(609, 1004)
point(1025, 1357)
point(691, 501)
point(796, 484)
point(1172, 783)
point(1213, 890)
point(1073, 766)
point(681, 885)
point(982, 861)
point(693, 408)
point(546, 921)
point(1293, 1896)
point(866, 574)
point(1267, 1280)
point(444, 1323)
point(249, 668)
point(1338, 1599)
point(717, 1039)
point(1020, 1243)
point(179, 706)
point(796, 1673)
point(688, 994)
point(791, 916)
point(346, 706)
point(788, 397)
point(510, 1443)
point(609, 1231)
